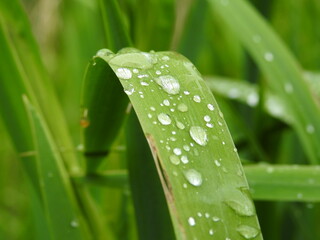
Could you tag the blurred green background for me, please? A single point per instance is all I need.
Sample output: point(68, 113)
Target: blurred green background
point(70, 32)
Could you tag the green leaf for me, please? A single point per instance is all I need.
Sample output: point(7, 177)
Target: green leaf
point(152, 222)
point(116, 33)
point(198, 165)
point(284, 182)
point(103, 104)
point(33, 80)
point(61, 208)
point(281, 70)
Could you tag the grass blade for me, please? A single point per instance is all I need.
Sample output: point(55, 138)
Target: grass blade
point(60, 205)
point(279, 66)
point(284, 182)
point(152, 222)
point(196, 159)
point(103, 104)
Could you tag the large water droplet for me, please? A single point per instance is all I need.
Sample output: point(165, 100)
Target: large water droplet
point(210, 107)
point(169, 84)
point(103, 53)
point(248, 232)
point(164, 119)
point(207, 118)
point(199, 135)
point(193, 177)
point(177, 151)
point(243, 207)
point(123, 73)
point(191, 221)
point(182, 107)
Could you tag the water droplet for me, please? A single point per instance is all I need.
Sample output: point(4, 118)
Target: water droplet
point(207, 118)
point(268, 56)
point(158, 72)
point(217, 163)
point(191, 221)
point(144, 84)
point(193, 177)
point(149, 115)
point(123, 73)
point(310, 128)
point(180, 125)
point(199, 135)
point(243, 207)
point(209, 125)
point(74, 224)
point(199, 214)
point(164, 119)
point(177, 151)
point(104, 53)
point(135, 70)
point(174, 159)
point(184, 159)
point(129, 91)
point(207, 215)
point(211, 232)
point(210, 107)
point(182, 107)
point(215, 219)
point(166, 102)
point(248, 232)
point(197, 98)
point(169, 84)
point(186, 92)
point(152, 109)
point(186, 148)
point(253, 99)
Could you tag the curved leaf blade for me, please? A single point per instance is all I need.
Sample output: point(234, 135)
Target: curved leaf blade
point(196, 159)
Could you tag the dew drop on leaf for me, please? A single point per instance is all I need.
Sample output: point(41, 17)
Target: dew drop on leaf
point(191, 221)
point(164, 119)
point(193, 177)
point(174, 159)
point(182, 107)
point(169, 84)
point(247, 232)
point(123, 73)
point(199, 135)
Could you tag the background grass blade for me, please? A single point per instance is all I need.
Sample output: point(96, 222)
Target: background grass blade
point(199, 168)
point(153, 219)
point(282, 72)
point(61, 208)
point(103, 104)
point(17, 30)
point(284, 183)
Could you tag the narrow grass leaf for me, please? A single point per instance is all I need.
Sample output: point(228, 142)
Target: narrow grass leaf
point(16, 28)
point(103, 104)
point(152, 222)
point(199, 168)
point(282, 72)
point(116, 33)
point(284, 182)
point(60, 206)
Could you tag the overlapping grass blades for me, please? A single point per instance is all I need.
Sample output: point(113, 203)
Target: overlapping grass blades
point(198, 166)
point(282, 72)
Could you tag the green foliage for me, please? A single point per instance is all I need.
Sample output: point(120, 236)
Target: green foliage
point(83, 160)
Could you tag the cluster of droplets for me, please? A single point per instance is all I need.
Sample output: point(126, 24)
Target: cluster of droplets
point(179, 155)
